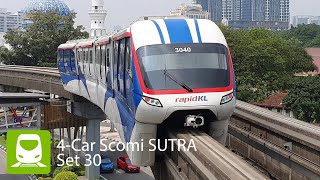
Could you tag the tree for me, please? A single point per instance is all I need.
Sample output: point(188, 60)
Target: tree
point(264, 62)
point(37, 44)
point(315, 42)
point(304, 99)
point(307, 34)
point(5, 54)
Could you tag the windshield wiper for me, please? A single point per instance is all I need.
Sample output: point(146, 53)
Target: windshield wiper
point(178, 82)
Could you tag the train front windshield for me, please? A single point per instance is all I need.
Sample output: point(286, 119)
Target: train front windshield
point(184, 66)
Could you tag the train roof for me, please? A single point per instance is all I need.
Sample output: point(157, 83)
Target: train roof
point(160, 31)
point(176, 31)
point(86, 43)
point(68, 45)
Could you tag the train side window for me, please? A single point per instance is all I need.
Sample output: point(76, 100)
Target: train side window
point(99, 58)
point(78, 59)
point(129, 58)
point(90, 57)
point(115, 62)
point(86, 56)
point(103, 60)
point(122, 66)
point(90, 60)
point(107, 67)
point(60, 55)
point(66, 57)
point(108, 58)
point(72, 61)
point(83, 59)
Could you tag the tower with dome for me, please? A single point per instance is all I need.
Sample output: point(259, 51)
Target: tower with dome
point(46, 6)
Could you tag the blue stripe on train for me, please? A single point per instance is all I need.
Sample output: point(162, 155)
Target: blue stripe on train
point(66, 78)
point(178, 30)
point(159, 31)
point(137, 92)
point(198, 31)
point(127, 119)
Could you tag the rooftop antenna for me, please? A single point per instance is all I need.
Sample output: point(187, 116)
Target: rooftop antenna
point(97, 16)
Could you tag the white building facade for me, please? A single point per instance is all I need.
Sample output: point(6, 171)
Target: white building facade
point(297, 20)
point(9, 20)
point(193, 11)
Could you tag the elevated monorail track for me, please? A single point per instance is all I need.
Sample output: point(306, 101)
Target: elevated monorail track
point(211, 160)
point(29, 77)
point(285, 147)
point(52, 72)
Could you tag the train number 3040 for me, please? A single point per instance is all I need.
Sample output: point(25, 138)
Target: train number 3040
point(183, 49)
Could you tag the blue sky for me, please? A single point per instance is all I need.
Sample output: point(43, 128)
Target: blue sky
point(123, 12)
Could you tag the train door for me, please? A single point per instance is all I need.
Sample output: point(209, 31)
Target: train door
point(66, 59)
point(128, 82)
point(73, 62)
point(108, 66)
point(77, 61)
point(98, 63)
point(80, 61)
point(103, 68)
point(91, 63)
point(60, 61)
point(121, 68)
point(115, 66)
point(87, 62)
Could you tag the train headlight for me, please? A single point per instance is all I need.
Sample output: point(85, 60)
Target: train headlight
point(152, 101)
point(227, 98)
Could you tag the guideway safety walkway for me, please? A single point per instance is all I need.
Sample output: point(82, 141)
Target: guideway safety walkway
point(211, 160)
point(286, 148)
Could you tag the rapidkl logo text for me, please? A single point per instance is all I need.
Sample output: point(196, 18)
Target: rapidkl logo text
point(192, 99)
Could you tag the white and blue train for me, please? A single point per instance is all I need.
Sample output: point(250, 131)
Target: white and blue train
point(156, 72)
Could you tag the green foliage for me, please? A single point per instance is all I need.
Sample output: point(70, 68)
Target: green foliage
point(76, 169)
point(304, 99)
point(37, 44)
point(67, 175)
point(47, 178)
point(306, 35)
point(264, 63)
point(82, 173)
point(57, 171)
point(5, 54)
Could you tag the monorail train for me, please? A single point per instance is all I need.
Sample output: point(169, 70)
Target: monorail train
point(172, 71)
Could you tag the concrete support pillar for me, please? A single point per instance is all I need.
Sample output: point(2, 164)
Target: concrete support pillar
point(93, 135)
point(39, 116)
point(94, 115)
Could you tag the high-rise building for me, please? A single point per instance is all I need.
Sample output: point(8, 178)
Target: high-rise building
point(10, 20)
point(249, 14)
point(214, 7)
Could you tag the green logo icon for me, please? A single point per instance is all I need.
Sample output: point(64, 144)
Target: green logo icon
point(28, 152)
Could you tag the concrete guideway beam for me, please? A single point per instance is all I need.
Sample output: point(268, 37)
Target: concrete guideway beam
point(94, 115)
